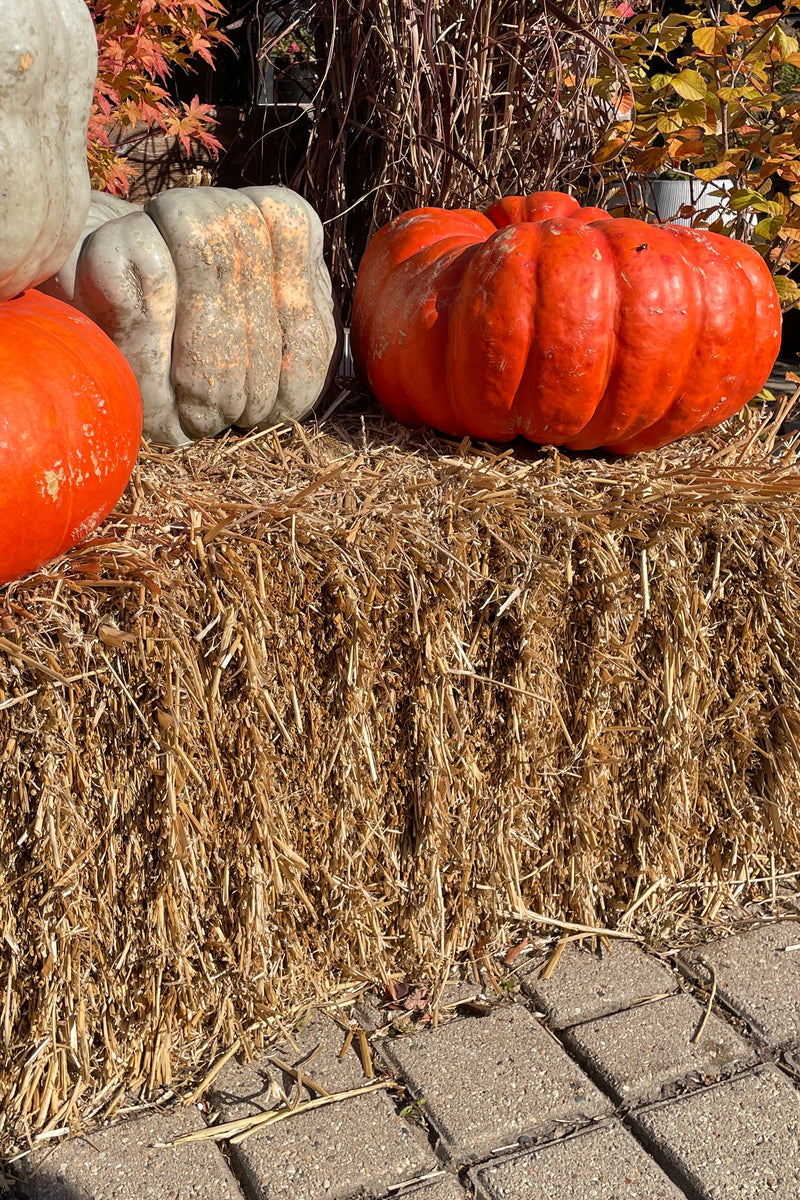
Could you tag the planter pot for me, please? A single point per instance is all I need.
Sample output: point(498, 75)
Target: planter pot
point(285, 83)
point(295, 84)
point(663, 200)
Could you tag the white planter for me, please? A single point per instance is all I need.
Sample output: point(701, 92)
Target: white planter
point(664, 198)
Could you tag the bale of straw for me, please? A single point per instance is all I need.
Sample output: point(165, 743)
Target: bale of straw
point(324, 703)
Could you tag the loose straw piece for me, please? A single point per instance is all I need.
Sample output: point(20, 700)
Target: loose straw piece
point(552, 962)
point(535, 918)
point(707, 1013)
point(237, 1132)
point(212, 1074)
point(300, 1076)
point(365, 1054)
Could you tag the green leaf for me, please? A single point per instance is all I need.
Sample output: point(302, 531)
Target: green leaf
point(690, 85)
point(769, 227)
point(747, 198)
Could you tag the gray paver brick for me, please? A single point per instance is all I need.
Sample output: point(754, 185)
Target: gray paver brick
point(356, 1147)
point(371, 1013)
point(585, 985)
point(638, 1052)
point(121, 1162)
point(603, 1164)
point(486, 1080)
point(757, 977)
point(739, 1139)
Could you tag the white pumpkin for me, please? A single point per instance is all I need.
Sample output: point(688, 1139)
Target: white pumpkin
point(220, 300)
point(48, 64)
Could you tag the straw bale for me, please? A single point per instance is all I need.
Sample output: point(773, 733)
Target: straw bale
point(328, 702)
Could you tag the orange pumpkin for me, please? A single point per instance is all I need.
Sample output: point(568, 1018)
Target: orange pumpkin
point(70, 428)
point(560, 324)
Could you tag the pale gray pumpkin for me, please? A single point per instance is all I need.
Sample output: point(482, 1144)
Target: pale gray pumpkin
point(220, 300)
point(48, 64)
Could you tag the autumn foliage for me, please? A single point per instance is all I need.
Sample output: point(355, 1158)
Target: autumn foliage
point(140, 44)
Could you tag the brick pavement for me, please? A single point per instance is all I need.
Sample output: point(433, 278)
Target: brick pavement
point(609, 1080)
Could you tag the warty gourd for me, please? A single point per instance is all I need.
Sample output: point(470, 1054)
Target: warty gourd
point(220, 300)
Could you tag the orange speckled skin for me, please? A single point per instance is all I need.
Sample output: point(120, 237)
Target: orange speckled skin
point(70, 429)
point(562, 325)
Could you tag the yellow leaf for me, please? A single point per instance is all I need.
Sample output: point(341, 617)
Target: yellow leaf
point(711, 39)
point(781, 143)
point(694, 112)
point(769, 227)
point(787, 289)
point(668, 123)
point(690, 85)
point(669, 38)
point(716, 172)
point(609, 151)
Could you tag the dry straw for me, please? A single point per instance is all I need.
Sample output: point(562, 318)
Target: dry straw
point(321, 704)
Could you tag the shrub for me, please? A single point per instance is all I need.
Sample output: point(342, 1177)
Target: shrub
point(140, 44)
point(716, 95)
point(444, 102)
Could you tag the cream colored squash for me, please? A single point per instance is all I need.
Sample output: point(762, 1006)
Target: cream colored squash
point(220, 300)
point(48, 64)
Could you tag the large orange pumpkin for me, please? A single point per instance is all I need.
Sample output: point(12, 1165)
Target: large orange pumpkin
point(70, 428)
point(561, 324)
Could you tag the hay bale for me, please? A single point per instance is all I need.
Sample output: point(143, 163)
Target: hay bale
point(329, 702)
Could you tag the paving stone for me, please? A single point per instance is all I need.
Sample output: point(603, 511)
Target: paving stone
point(486, 1080)
point(123, 1162)
point(373, 1013)
point(603, 1164)
point(757, 977)
point(585, 985)
point(739, 1139)
point(637, 1052)
point(353, 1148)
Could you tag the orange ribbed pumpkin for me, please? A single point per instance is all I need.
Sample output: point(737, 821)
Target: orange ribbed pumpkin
point(561, 324)
point(70, 428)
